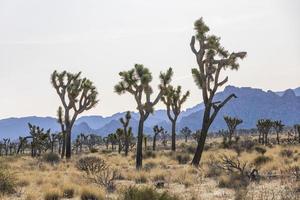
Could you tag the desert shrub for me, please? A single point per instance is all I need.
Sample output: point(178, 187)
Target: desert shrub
point(190, 149)
point(23, 183)
point(241, 194)
point(7, 181)
point(213, 169)
point(261, 150)
point(247, 144)
point(68, 192)
point(286, 153)
point(93, 150)
point(134, 193)
point(159, 177)
point(52, 195)
point(149, 154)
point(233, 181)
point(89, 194)
point(51, 158)
point(237, 148)
point(150, 165)
point(141, 178)
point(183, 158)
point(106, 151)
point(260, 160)
point(91, 164)
point(106, 178)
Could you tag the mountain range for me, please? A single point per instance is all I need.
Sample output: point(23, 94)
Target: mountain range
point(252, 104)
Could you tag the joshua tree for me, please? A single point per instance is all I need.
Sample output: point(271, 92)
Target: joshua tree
point(112, 138)
point(278, 127)
point(6, 142)
point(211, 59)
point(120, 138)
point(157, 130)
point(297, 128)
point(173, 99)
point(40, 139)
point(137, 82)
point(232, 123)
point(127, 132)
point(77, 95)
point(164, 137)
point(264, 126)
point(186, 132)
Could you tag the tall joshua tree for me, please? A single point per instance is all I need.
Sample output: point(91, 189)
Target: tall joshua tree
point(157, 130)
point(77, 95)
point(137, 82)
point(173, 99)
point(278, 127)
point(232, 123)
point(211, 58)
point(264, 126)
point(186, 132)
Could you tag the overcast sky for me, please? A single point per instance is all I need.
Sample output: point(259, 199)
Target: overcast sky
point(102, 37)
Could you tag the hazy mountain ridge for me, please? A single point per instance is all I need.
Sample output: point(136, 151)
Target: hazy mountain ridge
point(250, 105)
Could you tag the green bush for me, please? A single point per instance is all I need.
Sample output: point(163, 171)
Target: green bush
point(7, 181)
point(286, 153)
point(261, 150)
point(51, 158)
point(93, 150)
point(183, 158)
point(149, 154)
point(134, 193)
point(260, 160)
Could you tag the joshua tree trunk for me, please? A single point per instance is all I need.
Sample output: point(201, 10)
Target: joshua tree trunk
point(126, 146)
point(68, 144)
point(174, 135)
point(139, 148)
point(154, 143)
point(201, 141)
point(277, 137)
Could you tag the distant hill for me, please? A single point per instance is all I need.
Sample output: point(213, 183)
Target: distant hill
point(251, 105)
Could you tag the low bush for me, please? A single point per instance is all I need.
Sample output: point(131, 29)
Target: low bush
point(51, 158)
point(90, 194)
point(52, 195)
point(7, 181)
point(260, 160)
point(68, 192)
point(150, 165)
point(134, 193)
point(91, 164)
point(261, 150)
point(286, 153)
point(93, 150)
point(183, 158)
point(149, 154)
point(141, 178)
point(233, 181)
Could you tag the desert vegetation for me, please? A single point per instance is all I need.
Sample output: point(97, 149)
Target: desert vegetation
point(186, 164)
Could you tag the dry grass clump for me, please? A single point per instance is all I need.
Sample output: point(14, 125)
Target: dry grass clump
point(134, 193)
point(7, 181)
point(53, 194)
point(92, 193)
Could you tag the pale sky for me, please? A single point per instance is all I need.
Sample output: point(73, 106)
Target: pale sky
point(102, 37)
